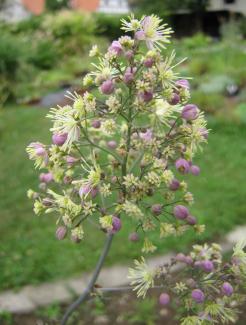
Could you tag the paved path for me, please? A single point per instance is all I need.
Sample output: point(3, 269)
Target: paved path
point(31, 297)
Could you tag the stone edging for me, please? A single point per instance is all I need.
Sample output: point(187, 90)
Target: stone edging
point(30, 297)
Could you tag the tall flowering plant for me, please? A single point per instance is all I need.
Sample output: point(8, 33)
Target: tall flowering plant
point(121, 151)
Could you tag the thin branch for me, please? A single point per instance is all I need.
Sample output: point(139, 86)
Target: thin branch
point(92, 282)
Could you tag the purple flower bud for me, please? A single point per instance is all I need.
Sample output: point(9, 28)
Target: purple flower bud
point(140, 35)
point(116, 223)
point(84, 190)
point(107, 87)
point(195, 170)
point(156, 209)
point(227, 289)
point(183, 83)
point(61, 232)
point(112, 144)
point(188, 260)
point(148, 63)
point(133, 236)
point(129, 54)
point(94, 192)
point(190, 112)
point(198, 263)
point(146, 96)
point(204, 133)
point(146, 136)
point(71, 160)
point(116, 47)
point(182, 166)
point(180, 257)
point(128, 77)
point(180, 212)
point(175, 184)
point(46, 177)
point(174, 100)
point(198, 296)
point(191, 220)
point(164, 299)
point(207, 266)
point(59, 138)
point(96, 124)
point(40, 151)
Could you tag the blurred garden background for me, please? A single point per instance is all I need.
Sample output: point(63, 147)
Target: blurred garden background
point(44, 52)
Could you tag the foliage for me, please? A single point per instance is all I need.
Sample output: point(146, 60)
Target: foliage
point(161, 6)
point(56, 4)
point(108, 25)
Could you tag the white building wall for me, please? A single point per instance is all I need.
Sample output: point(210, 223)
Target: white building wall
point(237, 6)
point(113, 6)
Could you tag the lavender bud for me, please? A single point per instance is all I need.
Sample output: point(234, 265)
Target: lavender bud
point(116, 47)
point(59, 138)
point(61, 232)
point(188, 260)
point(156, 209)
point(46, 177)
point(112, 144)
point(191, 220)
point(190, 112)
point(207, 266)
point(174, 99)
point(198, 296)
point(180, 257)
point(107, 87)
point(129, 54)
point(182, 165)
point(146, 96)
point(133, 236)
point(128, 77)
point(116, 223)
point(148, 63)
point(204, 133)
point(40, 151)
point(194, 170)
point(164, 299)
point(227, 289)
point(175, 184)
point(140, 35)
point(183, 83)
point(180, 212)
point(96, 124)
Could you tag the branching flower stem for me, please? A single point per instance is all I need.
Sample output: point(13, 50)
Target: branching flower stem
point(92, 282)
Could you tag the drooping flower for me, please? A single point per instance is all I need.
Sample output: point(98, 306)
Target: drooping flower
point(153, 32)
point(61, 232)
point(65, 122)
point(141, 277)
point(38, 153)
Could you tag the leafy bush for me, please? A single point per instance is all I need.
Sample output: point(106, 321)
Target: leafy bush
point(108, 25)
point(71, 31)
point(196, 41)
point(211, 102)
point(44, 54)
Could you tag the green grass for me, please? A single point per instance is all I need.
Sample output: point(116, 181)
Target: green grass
point(29, 252)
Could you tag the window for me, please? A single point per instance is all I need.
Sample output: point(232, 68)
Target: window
point(229, 1)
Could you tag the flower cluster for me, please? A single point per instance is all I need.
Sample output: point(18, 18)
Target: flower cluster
point(209, 289)
point(123, 148)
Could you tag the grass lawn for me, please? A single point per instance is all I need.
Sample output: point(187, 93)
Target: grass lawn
point(29, 252)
